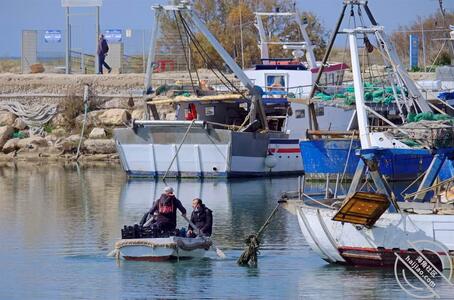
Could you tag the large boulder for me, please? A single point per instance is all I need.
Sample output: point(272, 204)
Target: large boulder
point(10, 145)
point(92, 118)
point(5, 134)
point(114, 117)
point(32, 142)
point(117, 103)
point(19, 124)
point(138, 114)
point(98, 133)
point(59, 120)
point(59, 132)
point(69, 144)
point(7, 118)
point(52, 139)
point(103, 146)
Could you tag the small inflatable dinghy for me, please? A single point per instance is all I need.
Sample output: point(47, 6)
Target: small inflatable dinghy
point(159, 249)
point(151, 244)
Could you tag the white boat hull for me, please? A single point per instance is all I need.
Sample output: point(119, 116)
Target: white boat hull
point(149, 152)
point(159, 249)
point(338, 242)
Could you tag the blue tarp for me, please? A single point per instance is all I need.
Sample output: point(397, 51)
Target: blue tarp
point(446, 96)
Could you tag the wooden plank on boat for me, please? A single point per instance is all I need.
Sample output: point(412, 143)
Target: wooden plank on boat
point(332, 133)
point(306, 101)
point(180, 99)
point(362, 208)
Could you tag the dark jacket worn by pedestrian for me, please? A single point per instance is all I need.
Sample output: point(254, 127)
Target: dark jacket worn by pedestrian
point(166, 206)
point(103, 48)
point(202, 218)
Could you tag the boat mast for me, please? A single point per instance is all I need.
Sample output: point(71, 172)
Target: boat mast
point(256, 103)
point(361, 112)
point(310, 55)
point(396, 64)
point(148, 89)
point(264, 53)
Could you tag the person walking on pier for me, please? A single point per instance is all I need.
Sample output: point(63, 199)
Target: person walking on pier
point(102, 50)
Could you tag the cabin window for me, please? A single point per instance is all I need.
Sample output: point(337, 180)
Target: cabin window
point(320, 111)
point(331, 79)
point(340, 77)
point(209, 111)
point(275, 82)
point(300, 113)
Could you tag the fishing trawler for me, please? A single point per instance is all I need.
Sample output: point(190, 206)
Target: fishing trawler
point(214, 135)
point(368, 226)
point(384, 104)
point(371, 228)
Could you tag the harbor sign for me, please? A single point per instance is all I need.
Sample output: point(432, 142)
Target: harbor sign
point(414, 51)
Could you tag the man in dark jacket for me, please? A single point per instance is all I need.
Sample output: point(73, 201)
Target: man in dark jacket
point(102, 50)
point(166, 208)
point(202, 218)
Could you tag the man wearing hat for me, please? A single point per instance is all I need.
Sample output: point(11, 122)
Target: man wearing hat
point(166, 208)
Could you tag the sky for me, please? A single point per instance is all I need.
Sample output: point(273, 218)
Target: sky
point(18, 15)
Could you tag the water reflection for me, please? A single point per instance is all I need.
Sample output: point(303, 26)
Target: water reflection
point(239, 207)
point(58, 222)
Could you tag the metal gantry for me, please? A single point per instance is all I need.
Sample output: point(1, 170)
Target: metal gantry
point(184, 8)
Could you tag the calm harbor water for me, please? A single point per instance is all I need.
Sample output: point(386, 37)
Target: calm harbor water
point(57, 224)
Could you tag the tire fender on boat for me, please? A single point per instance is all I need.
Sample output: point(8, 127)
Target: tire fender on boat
point(270, 161)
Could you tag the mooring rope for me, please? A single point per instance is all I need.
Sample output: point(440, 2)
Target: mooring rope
point(249, 255)
point(85, 120)
point(178, 150)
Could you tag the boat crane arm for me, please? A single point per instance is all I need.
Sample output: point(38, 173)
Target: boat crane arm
point(310, 56)
point(221, 51)
point(256, 95)
point(256, 105)
point(264, 53)
point(157, 12)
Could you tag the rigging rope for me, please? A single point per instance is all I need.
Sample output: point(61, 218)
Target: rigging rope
point(211, 62)
point(184, 51)
point(200, 49)
point(249, 256)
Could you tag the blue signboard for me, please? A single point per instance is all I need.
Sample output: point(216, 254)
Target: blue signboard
point(414, 51)
point(113, 35)
point(52, 36)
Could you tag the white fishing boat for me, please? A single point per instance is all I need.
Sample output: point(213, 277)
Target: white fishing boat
point(292, 78)
point(160, 249)
point(368, 226)
point(226, 135)
point(393, 234)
